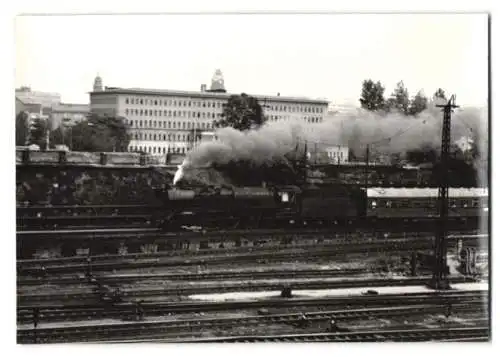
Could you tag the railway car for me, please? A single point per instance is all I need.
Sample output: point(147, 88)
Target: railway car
point(423, 202)
point(335, 205)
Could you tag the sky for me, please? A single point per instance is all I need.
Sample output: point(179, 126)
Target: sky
point(315, 56)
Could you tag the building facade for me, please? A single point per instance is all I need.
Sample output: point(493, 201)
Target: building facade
point(68, 114)
point(45, 99)
point(162, 121)
point(338, 154)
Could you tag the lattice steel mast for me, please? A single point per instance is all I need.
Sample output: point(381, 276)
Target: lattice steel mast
point(440, 274)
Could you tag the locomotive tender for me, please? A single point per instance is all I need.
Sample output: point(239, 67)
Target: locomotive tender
point(285, 206)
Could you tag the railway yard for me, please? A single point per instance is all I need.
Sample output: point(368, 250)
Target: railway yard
point(108, 254)
point(299, 285)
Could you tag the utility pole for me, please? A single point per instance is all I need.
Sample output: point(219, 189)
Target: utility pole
point(367, 163)
point(439, 278)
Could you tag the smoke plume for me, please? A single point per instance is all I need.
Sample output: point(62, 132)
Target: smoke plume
point(274, 140)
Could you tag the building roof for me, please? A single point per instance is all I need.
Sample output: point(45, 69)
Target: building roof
point(424, 192)
point(215, 95)
point(71, 107)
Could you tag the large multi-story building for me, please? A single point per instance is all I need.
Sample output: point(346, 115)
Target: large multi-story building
point(162, 121)
point(48, 106)
point(45, 99)
point(68, 114)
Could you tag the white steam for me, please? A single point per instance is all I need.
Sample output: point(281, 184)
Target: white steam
point(274, 140)
point(180, 172)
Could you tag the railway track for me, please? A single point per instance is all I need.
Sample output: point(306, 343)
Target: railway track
point(300, 243)
point(190, 258)
point(185, 290)
point(79, 311)
point(159, 329)
point(223, 275)
point(412, 335)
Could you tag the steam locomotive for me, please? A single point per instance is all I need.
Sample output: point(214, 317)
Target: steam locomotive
point(337, 206)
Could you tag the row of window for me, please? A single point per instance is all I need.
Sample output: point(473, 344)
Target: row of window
point(168, 124)
point(425, 203)
point(174, 102)
point(171, 114)
point(161, 137)
point(157, 149)
point(335, 154)
point(294, 108)
point(280, 117)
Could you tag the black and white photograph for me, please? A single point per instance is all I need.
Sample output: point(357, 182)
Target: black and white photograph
point(252, 177)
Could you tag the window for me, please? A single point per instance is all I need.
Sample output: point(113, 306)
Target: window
point(126, 111)
point(154, 137)
point(126, 100)
point(178, 137)
point(168, 125)
point(164, 150)
point(164, 137)
point(164, 113)
point(140, 123)
point(184, 125)
point(175, 113)
point(150, 137)
point(141, 102)
point(173, 124)
point(175, 103)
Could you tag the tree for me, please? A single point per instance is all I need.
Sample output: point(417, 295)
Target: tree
point(59, 136)
point(372, 95)
point(439, 94)
point(423, 155)
point(38, 132)
point(100, 133)
point(418, 104)
point(22, 130)
point(399, 99)
point(241, 112)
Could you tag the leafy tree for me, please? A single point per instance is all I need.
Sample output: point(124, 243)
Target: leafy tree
point(372, 95)
point(38, 132)
point(418, 104)
point(439, 94)
point(60, 136)
point(241, 112)
point(399, 99)
point(424, 155)
point(22, 130)
point(100, 133)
